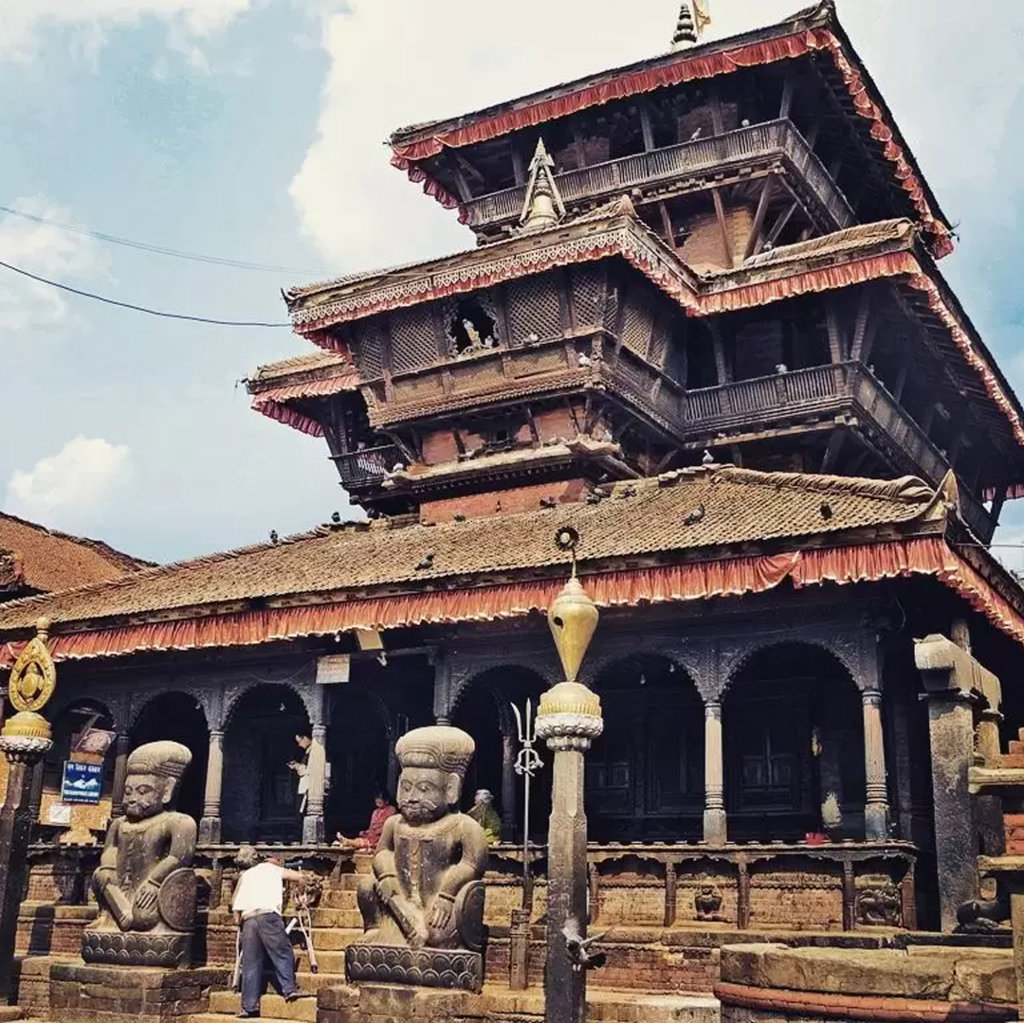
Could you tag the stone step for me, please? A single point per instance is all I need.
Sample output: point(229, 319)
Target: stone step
point(322, 918)
point(339, 898)
point(273, 1005)
point(1016, 746)
point(223, 1017)
point(328, 961)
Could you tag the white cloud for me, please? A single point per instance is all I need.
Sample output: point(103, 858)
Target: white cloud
point(25, 20)
point(70, 489)
point(394, 62)
point(47, 251)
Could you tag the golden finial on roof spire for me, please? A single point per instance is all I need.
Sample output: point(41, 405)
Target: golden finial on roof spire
point(694, 18)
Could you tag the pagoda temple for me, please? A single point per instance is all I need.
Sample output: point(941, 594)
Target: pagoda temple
point(703, 323)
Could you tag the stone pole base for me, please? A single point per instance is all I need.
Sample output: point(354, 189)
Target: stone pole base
point(371, 1003)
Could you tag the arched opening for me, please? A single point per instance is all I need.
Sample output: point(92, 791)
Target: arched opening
point(485, 711)
point(178, 717)
point(358, 750)
point(260, 793)
point(645, 772)
point(793, 733)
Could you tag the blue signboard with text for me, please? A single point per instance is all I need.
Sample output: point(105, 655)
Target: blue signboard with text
point(82, 783)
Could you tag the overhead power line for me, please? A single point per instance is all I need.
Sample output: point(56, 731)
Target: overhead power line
point(161, 250)
point(140, 308)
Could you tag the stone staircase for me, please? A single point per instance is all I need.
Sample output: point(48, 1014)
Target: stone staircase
point(336, 924)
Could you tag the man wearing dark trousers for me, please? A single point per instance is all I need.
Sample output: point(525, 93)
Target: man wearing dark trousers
point(257, 905)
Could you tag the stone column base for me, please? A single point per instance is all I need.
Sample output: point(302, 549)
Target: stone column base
point(715, 827)
point(112, 994)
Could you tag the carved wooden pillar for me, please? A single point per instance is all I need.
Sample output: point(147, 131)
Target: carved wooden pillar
point(122, 748)
point(508, 786)
point(715, 825)
point(876, 803)
point(210, 825)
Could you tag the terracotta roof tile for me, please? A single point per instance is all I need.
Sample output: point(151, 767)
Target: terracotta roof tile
point(688, 512)
point(307, 363)
point(50, 560)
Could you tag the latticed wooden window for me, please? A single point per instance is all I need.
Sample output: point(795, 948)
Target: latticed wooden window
point(369, 351)
point(637, 321)
point(588, 295)
point(658, 349)
point(533, 309)
point(413, 340)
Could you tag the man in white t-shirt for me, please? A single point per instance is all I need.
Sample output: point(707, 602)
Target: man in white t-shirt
point(257, 905)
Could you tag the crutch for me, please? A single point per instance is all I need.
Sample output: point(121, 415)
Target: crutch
point(236, 977)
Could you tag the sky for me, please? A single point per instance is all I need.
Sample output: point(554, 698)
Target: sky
point(253, 130)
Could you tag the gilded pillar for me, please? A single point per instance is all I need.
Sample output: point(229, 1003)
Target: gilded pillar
point(715, 825)
point(876, 803)
point(210, 825)
point(24, 741)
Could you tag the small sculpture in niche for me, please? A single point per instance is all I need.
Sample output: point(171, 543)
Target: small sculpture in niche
point(145, 884)
point(472, 328)
point(879, 907)
point(426, 892)
point(707, 901)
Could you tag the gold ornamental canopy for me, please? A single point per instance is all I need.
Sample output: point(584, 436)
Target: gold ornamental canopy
point(31, 685)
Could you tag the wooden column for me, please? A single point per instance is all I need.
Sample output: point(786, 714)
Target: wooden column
point(15, 826)
point(508, 787)
point(316, 772)
point(122, 748)
point(715, 825)
point(876, 803)
point(210, 825)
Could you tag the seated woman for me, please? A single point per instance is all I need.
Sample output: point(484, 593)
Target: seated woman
point(367, 840)
point(486, 816)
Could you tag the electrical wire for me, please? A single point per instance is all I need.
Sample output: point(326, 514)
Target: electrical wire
point(161, 250)
point(140, 308)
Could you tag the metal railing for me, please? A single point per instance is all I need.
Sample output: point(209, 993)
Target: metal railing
point(757, 141)
point(367, 467)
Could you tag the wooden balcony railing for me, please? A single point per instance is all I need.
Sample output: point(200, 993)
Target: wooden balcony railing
point(827, 389)
point(367, 467)
point(779, 139)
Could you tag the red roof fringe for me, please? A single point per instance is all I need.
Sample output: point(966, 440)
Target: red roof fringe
point(625, 588)
point(746, 296)
point(284, 414)
point(686, 69)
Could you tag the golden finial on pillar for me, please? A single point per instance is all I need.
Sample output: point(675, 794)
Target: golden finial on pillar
point(32, 683)
point(569, 709)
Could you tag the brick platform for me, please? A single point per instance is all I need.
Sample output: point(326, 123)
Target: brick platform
point(72, 992)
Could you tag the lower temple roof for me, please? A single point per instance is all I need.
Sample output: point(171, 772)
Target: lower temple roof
point(688, 535)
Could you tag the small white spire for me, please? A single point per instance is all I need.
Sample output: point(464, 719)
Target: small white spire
point(543, 206)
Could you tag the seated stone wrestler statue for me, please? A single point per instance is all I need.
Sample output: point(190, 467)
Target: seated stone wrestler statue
point(426, 890)
point(144, 883)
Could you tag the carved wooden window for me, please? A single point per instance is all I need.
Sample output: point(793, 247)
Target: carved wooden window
point(588, 295)
point(369, 352)
point(534, 311)
point(637, 321)
point(413, 340)
point(472, 325)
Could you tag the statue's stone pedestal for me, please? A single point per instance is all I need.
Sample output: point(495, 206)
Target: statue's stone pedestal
point(372, 1003)
point(454, 969)
point(86, 993)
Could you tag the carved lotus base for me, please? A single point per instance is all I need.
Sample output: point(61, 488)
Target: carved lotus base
point(422, 967)
point(168, 949)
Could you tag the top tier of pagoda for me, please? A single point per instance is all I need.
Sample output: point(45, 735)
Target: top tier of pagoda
point(723, 253)
point(778, 134)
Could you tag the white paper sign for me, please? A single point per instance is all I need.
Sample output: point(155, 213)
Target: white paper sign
point(59, 813)
point(333, 670)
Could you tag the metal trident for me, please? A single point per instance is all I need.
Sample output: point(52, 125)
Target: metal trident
point(527, 761)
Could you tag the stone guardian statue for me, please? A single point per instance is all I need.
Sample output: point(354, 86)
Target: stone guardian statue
point(145, 884)
point(423, 906)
